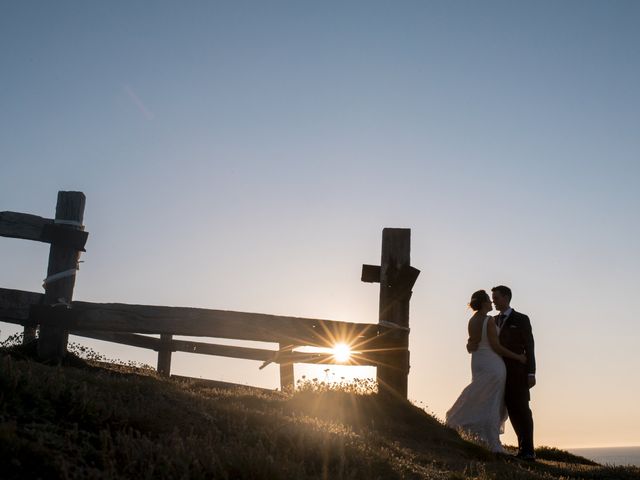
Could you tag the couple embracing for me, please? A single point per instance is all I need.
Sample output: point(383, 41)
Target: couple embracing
point(503, 370)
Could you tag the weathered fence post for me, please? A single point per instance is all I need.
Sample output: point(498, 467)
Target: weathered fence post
point(28, 334)
point(164, 354)
point(396, 280)
point(286, 369)
point(61, 274)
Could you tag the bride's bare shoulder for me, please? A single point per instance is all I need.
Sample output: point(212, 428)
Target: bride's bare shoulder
point(475, 322)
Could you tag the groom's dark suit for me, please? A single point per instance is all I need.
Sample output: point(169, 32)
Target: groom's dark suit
point(515, 334)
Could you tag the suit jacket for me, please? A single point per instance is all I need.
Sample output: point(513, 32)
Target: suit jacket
point(516, 336)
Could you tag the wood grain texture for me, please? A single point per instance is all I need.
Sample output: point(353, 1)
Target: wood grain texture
point(132, 339)
point(164, 355)
point(393, 375)
point(120, 317)
point(122, 323)
point(216, 323)
point(15, 304)
point(52, 343)
point(22, 225)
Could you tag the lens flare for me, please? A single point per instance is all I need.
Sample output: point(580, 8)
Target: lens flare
point(341, 352)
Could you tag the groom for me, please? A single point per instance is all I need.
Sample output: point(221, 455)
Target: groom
point(515, 334)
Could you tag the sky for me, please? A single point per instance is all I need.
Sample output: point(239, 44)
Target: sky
point(247, 155)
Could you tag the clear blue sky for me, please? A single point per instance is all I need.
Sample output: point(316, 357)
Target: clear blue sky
point(246, 156)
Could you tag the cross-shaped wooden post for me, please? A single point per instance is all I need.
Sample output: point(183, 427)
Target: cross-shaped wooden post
point(396, 277)
point(67, 237)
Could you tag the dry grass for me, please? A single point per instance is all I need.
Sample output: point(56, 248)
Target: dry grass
point(112, 422)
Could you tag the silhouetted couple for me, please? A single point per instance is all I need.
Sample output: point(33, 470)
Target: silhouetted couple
point(503, 368)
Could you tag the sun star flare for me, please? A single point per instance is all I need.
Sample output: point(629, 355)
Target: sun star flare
point(342, 352)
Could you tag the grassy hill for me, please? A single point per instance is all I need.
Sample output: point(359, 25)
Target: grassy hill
point(95, 420)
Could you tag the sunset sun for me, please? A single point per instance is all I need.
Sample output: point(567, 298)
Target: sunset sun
point(342, 352)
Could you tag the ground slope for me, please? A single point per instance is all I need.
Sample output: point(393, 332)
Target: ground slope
point(91, 420)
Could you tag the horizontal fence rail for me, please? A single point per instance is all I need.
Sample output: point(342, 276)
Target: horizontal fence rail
point(230, 351)
point(31, 227)
point(124, 324)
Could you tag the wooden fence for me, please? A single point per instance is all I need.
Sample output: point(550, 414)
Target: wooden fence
point(384, 345)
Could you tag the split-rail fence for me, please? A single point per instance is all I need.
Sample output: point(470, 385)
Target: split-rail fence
point(55, 314)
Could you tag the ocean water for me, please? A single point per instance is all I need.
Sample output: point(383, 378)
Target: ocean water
point(611, 455)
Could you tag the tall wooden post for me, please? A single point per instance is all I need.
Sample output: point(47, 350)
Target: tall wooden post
point(286, 370)
point(61, 278)
point(164, 354)
point(393, 374)
point(29, 334)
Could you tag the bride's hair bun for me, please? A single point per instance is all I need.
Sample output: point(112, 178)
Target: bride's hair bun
point(477, 299)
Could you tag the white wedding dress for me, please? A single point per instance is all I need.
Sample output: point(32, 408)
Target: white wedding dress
point(479, 411)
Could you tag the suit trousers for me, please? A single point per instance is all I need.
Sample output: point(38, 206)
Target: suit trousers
point(517, 398)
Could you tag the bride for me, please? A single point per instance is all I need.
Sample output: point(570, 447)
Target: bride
point(479, 411)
